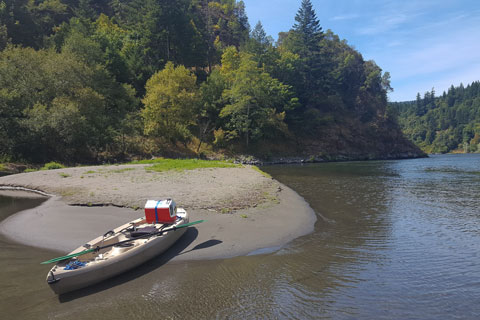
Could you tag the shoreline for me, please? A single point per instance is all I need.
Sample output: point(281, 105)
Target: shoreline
point(16, 168)
point(327, 159)
point(248, 217)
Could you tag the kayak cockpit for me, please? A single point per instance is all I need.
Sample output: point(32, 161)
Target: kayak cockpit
point(118, 250)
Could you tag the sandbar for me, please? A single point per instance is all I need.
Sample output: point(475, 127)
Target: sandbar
point(245, 210)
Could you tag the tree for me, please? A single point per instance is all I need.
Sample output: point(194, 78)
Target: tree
point(305, 40)
point(61, 108)
point(308, 27)
point(256, 102)
point(170, 103)
point(4, 18)
point(420, 106)
point(386, 82)
point(449, 123)
point(211, 104)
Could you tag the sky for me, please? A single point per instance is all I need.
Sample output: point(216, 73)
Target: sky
point(424, 44)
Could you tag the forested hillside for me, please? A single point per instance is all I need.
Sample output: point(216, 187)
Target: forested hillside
point(90, 81)
point(449, 123)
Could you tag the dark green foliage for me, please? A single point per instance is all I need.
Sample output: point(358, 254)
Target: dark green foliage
point(53, 105)
point(87, 80)
point(308, 27)
point(443, 124)
point(256, 102)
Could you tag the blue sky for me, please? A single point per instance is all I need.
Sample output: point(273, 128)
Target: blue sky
point(422, 43)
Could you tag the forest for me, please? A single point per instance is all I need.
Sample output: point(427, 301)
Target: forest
point(448, 123)
point(84, 81)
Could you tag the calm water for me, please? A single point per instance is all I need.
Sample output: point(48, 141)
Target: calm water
point(394, 240)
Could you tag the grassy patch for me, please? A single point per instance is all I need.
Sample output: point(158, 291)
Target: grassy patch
point(52, 166)
point(64, 175)
point(161, 165)
point(121, 170)
point(151, 161)
point(244, 216)
point(47, 166)
point(89, 172)
point(263, 173)
point(272, 198)
point(2, 167)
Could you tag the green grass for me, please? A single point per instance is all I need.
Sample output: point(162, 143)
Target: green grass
point(2, 167)
point(52, 165)
point(64, 175)
point(152, 161)
point(121, 170)
point(261, 172)
point(161, 164)
point(48, 166)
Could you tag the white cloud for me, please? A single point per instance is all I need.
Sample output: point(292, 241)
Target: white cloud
point(436, 54)
point(345, 17)
point(395, 43)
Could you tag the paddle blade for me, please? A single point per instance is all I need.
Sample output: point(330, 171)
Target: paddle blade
point(67, 257)
point(189, 224)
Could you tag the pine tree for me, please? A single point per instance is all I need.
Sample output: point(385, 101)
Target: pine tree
point(259, 43)
point(258, 34)
point(308, 26)
point(432, 98)
point(420, 104)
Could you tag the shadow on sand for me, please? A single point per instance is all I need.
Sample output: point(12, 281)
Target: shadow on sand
point(203, 245)
point(149, 266)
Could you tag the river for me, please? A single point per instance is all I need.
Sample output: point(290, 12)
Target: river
point(394, 240)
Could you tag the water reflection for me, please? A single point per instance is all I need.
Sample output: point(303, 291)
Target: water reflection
point(395, 239)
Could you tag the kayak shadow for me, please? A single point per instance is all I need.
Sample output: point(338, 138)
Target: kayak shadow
point(188, 237)
point(203, 245)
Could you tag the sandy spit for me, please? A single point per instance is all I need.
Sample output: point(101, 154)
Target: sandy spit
point(245, 210)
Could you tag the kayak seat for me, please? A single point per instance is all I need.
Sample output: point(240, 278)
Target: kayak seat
point(124, 245)
point(142, 232)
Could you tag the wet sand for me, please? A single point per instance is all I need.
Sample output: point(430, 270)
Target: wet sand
point(245, 210)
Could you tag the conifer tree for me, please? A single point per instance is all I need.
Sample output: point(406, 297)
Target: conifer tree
point(258, 34)
point(308, 26)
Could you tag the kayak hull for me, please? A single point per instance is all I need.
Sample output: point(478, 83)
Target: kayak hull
point(104, 264)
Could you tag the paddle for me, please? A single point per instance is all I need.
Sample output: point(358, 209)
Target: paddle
point(117, 243)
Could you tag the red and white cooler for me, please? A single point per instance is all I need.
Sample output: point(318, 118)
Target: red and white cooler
point(161, 211)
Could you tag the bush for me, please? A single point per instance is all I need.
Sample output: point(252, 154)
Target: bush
point(53, 165)
point(219, 138)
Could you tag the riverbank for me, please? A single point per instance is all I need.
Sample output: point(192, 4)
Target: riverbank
point(245, 210)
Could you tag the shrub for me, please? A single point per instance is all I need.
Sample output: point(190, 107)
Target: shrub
point(53, 165)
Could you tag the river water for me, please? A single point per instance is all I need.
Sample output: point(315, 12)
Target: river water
point(394, 240)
